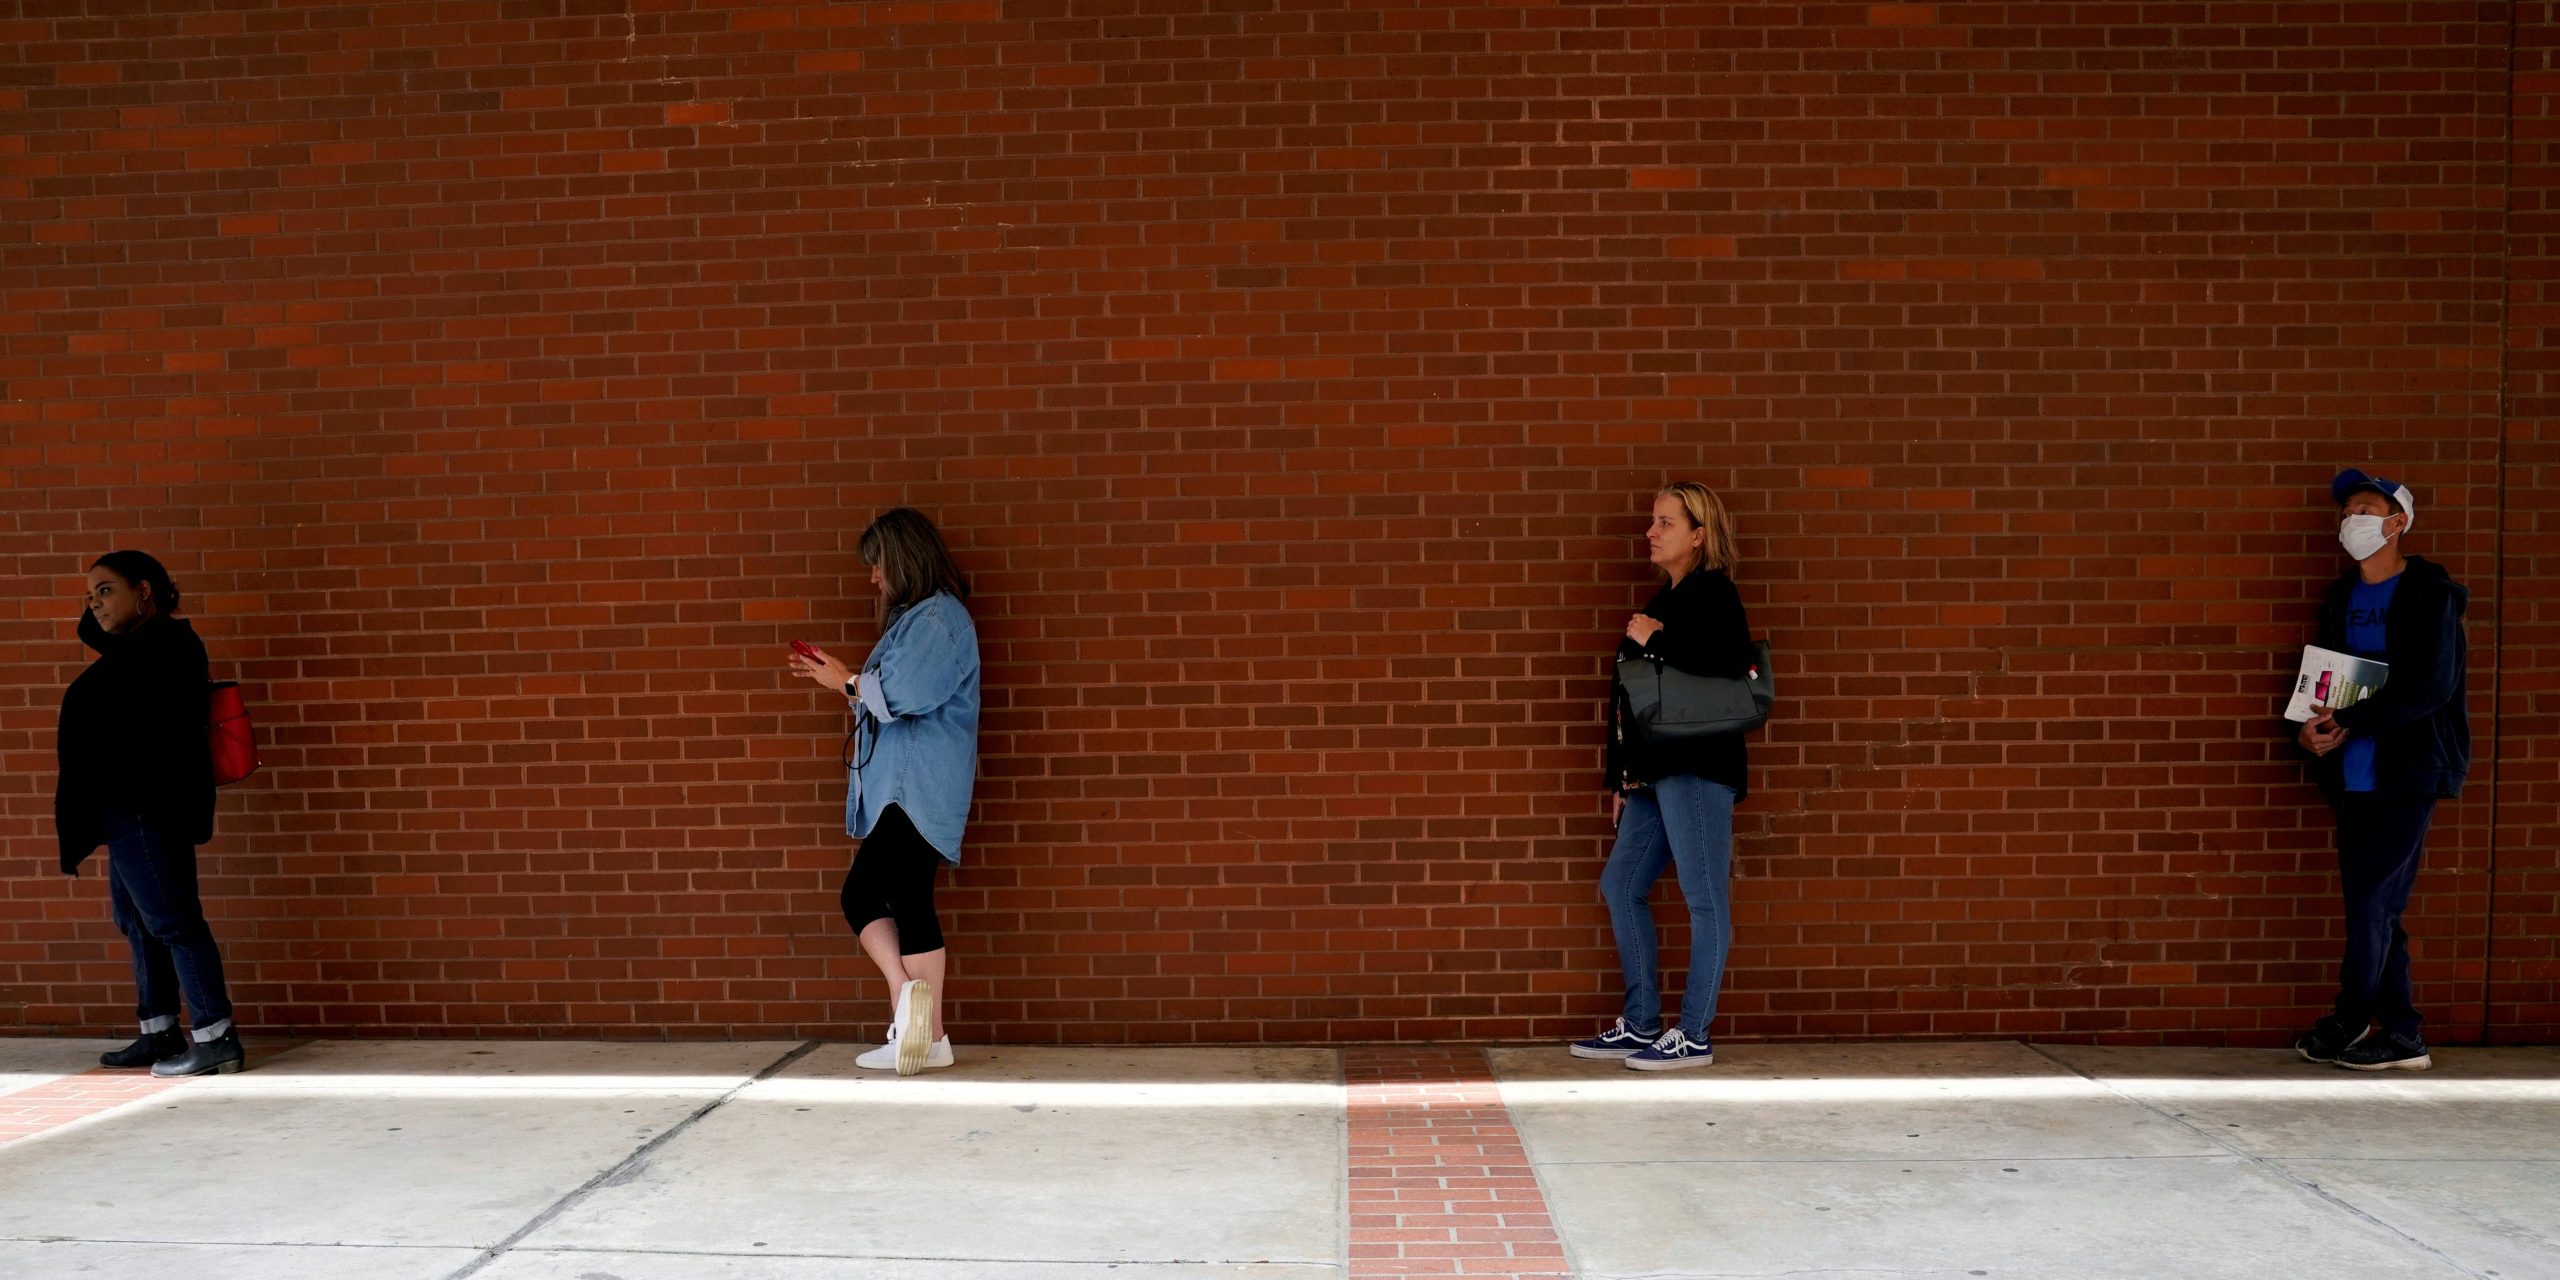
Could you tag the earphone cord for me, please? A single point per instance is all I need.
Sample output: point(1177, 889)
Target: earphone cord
point(869, 745)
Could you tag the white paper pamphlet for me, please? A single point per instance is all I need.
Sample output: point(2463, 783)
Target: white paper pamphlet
point(2331, 680)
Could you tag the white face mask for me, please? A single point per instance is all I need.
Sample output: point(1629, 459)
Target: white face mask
point(2361, 536)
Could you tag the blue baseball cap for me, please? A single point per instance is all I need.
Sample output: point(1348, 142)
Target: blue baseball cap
point(2351, 480)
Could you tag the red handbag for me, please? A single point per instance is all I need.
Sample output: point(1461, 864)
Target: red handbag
point(234, 741)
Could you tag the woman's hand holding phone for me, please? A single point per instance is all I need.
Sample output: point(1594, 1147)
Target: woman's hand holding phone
point(811, 661)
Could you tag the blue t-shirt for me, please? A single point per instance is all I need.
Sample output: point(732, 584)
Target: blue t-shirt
point(2368, 606)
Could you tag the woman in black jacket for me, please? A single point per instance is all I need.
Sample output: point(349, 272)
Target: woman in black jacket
point(137, 777)
point(1674, 806)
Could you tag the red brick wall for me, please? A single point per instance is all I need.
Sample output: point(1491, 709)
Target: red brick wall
point(506, 392)
point(2524, 976)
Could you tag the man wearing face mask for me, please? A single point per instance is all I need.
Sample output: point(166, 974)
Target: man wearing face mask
point(2384, 762)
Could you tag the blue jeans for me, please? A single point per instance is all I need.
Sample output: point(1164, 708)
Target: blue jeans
point(152, 878)
point(2380, 841)
point(1682, 821)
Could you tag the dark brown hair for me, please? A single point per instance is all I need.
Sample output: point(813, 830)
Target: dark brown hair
point(912, 558)
point(142, 567)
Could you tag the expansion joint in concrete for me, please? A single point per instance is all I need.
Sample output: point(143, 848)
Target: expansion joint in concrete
point(629, 1167)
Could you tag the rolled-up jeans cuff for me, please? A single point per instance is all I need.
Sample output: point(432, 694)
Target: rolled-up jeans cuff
point(154, 1026)
point(206, 1035)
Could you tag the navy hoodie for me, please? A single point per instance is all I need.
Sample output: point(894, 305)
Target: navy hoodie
point(132, 738)
point(2420, 728)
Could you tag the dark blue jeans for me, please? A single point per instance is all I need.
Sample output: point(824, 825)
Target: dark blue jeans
point(1682, 822)
point(2380, 841)
point(152, 878)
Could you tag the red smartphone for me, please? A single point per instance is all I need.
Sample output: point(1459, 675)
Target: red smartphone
point(802, 648)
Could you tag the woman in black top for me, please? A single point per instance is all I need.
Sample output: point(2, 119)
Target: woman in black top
point(137, 776)
point(1674, 805)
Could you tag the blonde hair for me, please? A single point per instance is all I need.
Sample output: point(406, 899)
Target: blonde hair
point(1706, 511)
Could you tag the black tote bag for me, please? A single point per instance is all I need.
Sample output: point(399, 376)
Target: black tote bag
point(1663, 704)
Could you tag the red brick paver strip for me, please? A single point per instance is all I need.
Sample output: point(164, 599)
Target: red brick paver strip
point(1440, 1185)
point(43, 1107)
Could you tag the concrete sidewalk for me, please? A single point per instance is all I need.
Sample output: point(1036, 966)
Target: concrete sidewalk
point(589, 1161)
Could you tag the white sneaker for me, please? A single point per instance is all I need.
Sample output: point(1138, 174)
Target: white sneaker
point(884, 1058)
point(913, 1034)
point(1672, 1052)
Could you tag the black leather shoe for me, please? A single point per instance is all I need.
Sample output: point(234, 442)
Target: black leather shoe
point(217, 1057)
point(152, 1047)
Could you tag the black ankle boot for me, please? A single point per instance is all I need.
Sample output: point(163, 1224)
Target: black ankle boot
point(219, 1056)
point(152, 1047)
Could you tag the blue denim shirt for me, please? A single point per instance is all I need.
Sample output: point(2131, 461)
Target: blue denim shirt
point(919, 695)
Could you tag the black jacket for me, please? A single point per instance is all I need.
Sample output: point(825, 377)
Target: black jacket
point(2420, 727)
point(1703, 633)
point(132, 737)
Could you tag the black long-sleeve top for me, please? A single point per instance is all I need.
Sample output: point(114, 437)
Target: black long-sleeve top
point(1703, 633)
point(132, 738)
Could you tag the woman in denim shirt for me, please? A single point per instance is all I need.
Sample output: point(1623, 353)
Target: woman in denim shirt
point(912, 756)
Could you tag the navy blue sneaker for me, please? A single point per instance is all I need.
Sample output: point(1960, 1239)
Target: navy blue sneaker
point(2328, 1039)
point(1617, 1042)
point(1675, 1049)
point(2390, 1051)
